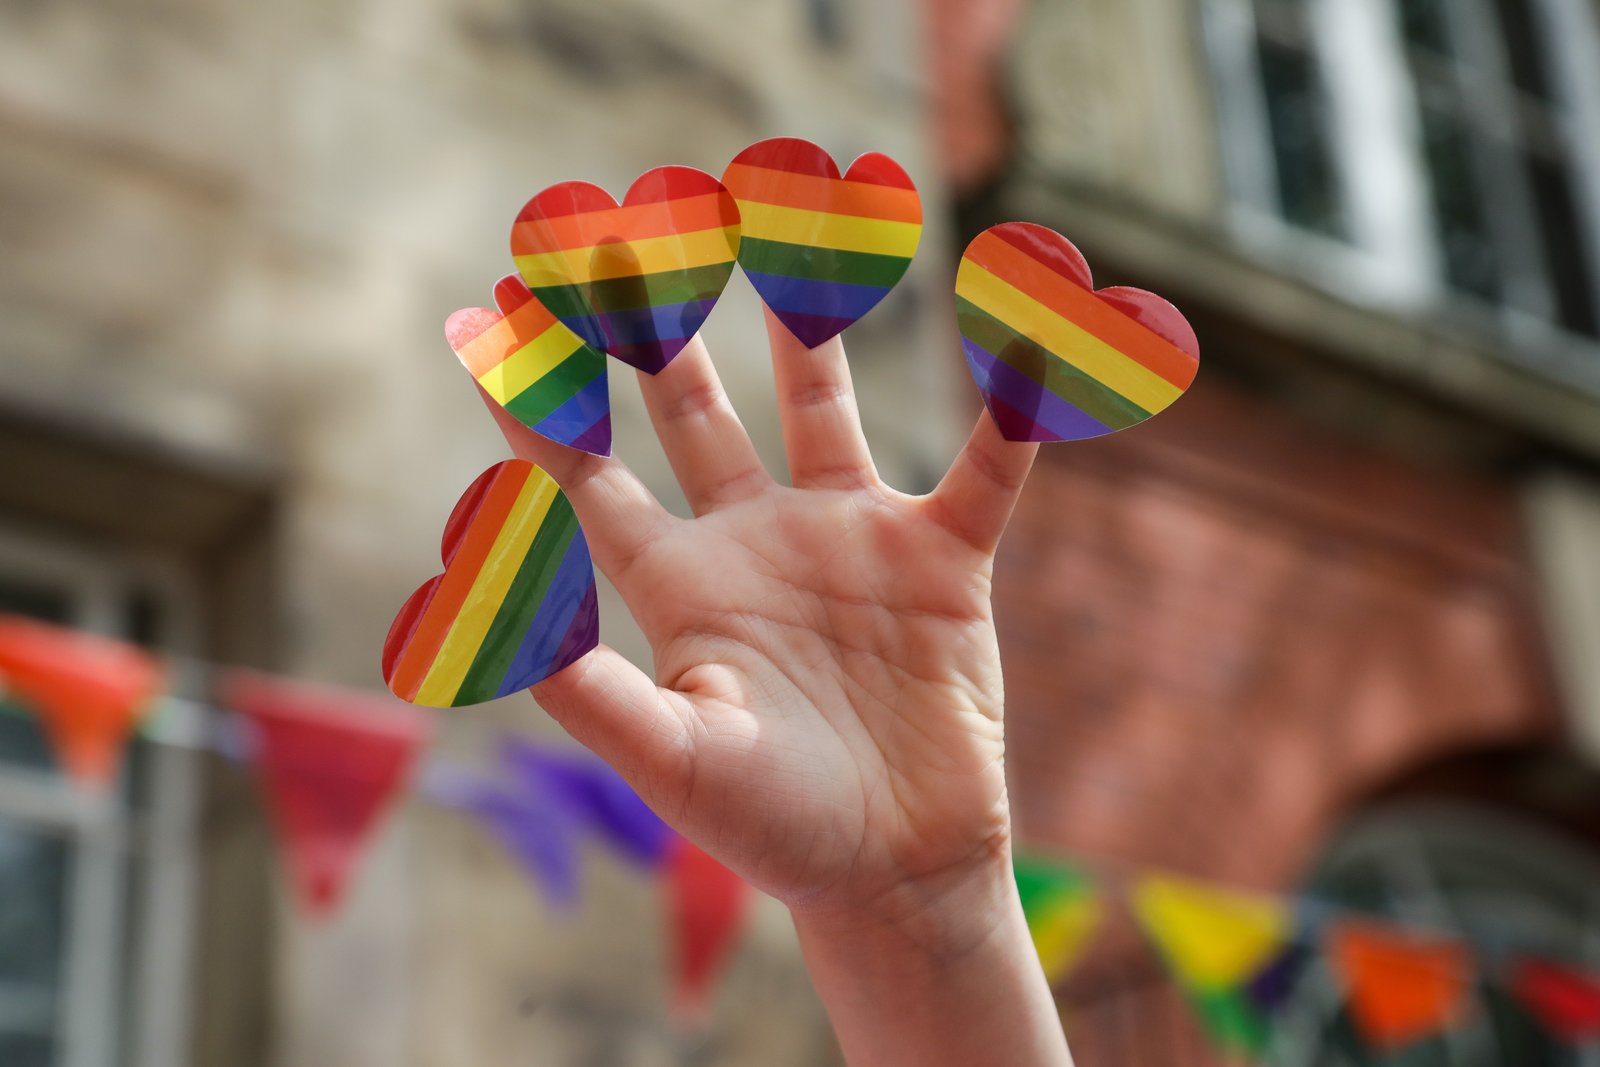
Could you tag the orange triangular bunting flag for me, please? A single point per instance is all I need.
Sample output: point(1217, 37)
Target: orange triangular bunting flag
point(1401, 988)
point(706, 905)
point(330, 761)
point(87, 692)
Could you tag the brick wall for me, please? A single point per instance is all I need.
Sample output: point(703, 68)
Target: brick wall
point(1223, 630)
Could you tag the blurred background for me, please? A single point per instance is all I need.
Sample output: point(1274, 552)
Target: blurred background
point(1327, 627)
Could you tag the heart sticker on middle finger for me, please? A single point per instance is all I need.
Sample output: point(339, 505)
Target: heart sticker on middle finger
point(821, 248)
point(635, 280)
point(1055, 358)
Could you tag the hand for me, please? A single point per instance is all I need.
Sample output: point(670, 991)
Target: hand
point(826, 713)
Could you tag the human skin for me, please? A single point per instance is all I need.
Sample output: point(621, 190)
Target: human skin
point(826, 712)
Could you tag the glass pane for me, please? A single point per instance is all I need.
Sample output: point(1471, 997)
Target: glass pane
point(21, 597)
point(1523, 54)
point(1467, 244)
point(1298, 115)
point(33, 885)
point(1423, 24)
point(1571, 273)
point(27, 1050)
point(22, 743)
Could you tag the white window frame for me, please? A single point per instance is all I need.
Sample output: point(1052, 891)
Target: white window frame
point(98, 1023)
point(1391, 259)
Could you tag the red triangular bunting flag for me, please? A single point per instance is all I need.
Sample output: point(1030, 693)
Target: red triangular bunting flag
point(330, 760)
point(87, 692)
point(706, 903)
point(1565, 1000)
point(1401, 989)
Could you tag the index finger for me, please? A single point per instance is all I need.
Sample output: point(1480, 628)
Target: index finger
point(619, 515)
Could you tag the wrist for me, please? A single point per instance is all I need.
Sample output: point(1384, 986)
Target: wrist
point(940, 971)
point(943, 916)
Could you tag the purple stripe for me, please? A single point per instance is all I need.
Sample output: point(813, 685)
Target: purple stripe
point(648, 356)
point(812, 330)
point(1035, 413)
point(665, 322)
point(596, 439)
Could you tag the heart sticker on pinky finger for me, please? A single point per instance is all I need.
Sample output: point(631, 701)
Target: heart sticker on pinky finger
point(1055, 358)
point(516, 602)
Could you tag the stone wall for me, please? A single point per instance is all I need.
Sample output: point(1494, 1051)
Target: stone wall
point(233, 232)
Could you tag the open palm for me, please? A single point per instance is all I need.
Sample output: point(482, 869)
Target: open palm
point(826, 712)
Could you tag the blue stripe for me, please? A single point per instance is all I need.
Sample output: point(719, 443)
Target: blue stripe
point(834, 300)
point(577, 414)
point(606, 330)
point(554, 618)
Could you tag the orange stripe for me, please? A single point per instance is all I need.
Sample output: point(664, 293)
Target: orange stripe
point(659, 218)
point(505, 338)
point(1081, 307)
point(423, 647)
point(767, 185)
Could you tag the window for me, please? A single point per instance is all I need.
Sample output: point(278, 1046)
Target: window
point(95, 890)
point(1446, 147)
point(1505, 882)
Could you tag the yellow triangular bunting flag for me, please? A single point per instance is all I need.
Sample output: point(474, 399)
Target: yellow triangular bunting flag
point(1212, 939)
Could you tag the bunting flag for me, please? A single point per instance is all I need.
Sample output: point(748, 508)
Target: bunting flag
point(822, 249)
point(329, 761)
point(1565, 1000)
point(1063, 909)
point(1400, 988)
point(589, 795)
point(706, 905)
point(88, 692)
point(1218, 945)
point(635, 279)
point(537, 834)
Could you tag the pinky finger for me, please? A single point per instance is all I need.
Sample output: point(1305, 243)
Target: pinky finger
point(975, 499)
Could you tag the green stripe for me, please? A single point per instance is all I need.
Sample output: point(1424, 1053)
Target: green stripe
point(522, 601)
point(1028, 357)
point(560, 384)
point(820, 264)
point(639, 290)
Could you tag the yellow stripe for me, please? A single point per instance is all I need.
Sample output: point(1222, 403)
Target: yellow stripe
point(820, 229)
point(623, 259)
point(1068, 341)
point(488, 592)
point(506, 380)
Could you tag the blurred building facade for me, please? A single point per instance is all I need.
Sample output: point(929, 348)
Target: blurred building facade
point(230, 428)
point(1327, 624)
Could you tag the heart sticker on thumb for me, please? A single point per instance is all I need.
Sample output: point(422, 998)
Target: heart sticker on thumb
point(1056, 359)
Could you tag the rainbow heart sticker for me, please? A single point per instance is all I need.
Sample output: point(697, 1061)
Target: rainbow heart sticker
point(821, 249)
point(535, 367)
point(516, 602)
point(1055, 359)
point(635, 280)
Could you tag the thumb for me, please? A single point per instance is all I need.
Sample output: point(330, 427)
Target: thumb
point(613, 709)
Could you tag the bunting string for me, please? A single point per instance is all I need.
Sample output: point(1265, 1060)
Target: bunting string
point(331, 763)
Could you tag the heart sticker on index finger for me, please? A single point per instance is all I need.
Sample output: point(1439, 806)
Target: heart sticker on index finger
point(1056, 359)
point(637, 279)
point(535, 368)
point(822, 249)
